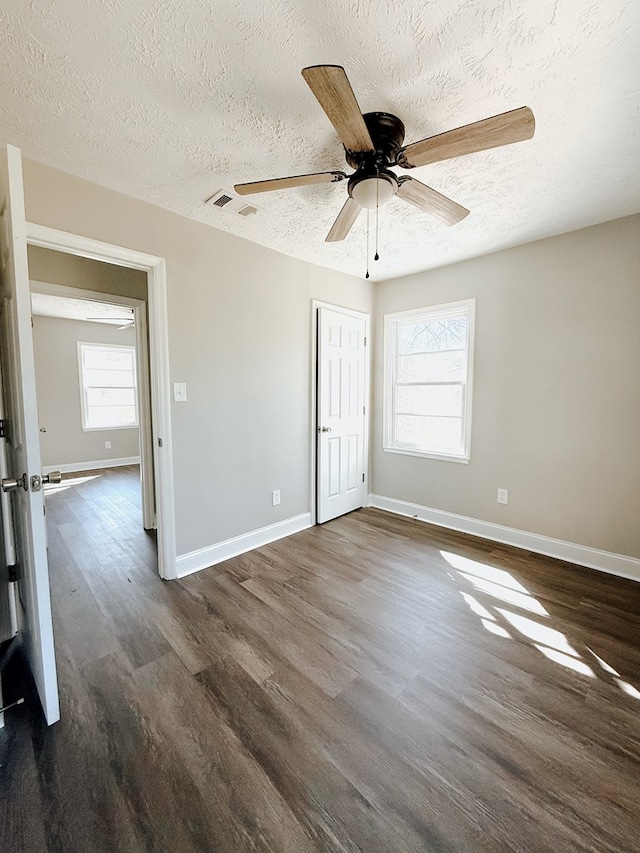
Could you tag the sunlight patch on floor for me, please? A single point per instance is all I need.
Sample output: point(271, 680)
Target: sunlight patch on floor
point(487, 619)
point(604, 664)
point(629, 689)
point(475, 605)
point(494, 628)
point(539, 633)
point(502, 587)
point(511, 596)
point(482, 570)
point(566, 660)
point(56, 488)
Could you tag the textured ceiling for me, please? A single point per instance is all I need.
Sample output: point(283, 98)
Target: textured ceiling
point(66, 308)
point(171, 100)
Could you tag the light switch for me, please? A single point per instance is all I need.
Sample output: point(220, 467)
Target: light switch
point(180, 392)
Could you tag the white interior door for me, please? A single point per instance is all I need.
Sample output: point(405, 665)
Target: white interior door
point(22, 447)
point(341, 413)
point(8, 624)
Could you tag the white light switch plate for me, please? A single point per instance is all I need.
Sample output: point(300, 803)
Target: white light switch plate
point(180, 392)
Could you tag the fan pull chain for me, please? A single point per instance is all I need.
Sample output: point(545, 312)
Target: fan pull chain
point(376, 257)
point(367, 275)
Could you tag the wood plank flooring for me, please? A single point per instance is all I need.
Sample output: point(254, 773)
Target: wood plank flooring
point(374, 684)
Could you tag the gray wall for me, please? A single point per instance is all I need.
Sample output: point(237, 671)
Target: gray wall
point(556, 408)
point(58, 393)
point(239, 336)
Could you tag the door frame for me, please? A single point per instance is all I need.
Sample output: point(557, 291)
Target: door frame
point(142, 380)
point(155, 268)
point(313, 398)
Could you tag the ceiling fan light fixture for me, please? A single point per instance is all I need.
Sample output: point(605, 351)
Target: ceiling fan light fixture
point(371, 191)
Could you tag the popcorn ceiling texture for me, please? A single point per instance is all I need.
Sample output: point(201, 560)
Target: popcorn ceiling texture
point(171, 100)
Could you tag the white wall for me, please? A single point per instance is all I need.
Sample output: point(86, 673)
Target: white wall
point(58, 393)
point(556, 408)
point(239, 336)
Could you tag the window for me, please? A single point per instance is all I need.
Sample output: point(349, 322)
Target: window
point(428, 381)
point(107, 386)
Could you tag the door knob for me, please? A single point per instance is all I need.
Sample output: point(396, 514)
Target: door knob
point(8, 485)
point(326, 429)
point(54, 477)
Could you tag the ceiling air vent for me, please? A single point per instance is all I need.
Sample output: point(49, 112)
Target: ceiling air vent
point(231, 203)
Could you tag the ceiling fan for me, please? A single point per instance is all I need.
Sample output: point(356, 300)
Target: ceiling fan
point(373, 144)
point(127, 321)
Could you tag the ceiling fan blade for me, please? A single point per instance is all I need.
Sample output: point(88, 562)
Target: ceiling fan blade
point(288, 183)
point(330, 85)
point(503, 129)
point(111, 320)
point(427, 199)
point(344, 221)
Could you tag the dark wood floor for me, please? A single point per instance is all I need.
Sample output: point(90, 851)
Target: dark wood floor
point(375, 684)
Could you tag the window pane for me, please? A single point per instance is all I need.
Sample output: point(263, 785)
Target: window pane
point(108, 378)
point(433, 367)
point(107, 359)
point(429, 400)
point(102, 417)
point(108, 386)
point(438, 435)
point(110, 397)
point(432, 336)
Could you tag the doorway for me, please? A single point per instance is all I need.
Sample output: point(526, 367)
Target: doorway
point(94, 400)
point(159, 486)
point(340, 380)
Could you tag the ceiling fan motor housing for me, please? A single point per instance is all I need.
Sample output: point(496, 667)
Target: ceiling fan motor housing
point(374, 184)
point(387, 134)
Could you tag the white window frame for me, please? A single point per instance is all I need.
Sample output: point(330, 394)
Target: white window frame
point(84, 407)
point(426, 314)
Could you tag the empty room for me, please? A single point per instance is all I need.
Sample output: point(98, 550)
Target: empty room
point(319, 418)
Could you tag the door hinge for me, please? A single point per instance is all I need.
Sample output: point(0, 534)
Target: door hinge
point(364, 410)
point(13, 573)
point(159, 442)
point(365, 340)
point(363, 478)
point(3, 428)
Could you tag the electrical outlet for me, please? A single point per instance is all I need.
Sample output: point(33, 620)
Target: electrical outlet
point(107, 445)
point(503, 496)
point(275, 497)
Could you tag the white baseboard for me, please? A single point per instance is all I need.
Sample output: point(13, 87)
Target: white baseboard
point(194, 561)
point(72, 467)
point(604, 561)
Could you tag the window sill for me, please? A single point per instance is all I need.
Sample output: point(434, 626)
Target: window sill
point(109, 428)
point(443, 457)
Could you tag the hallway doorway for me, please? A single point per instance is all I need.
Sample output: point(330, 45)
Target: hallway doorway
point(91, 359)
point(154, 268)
